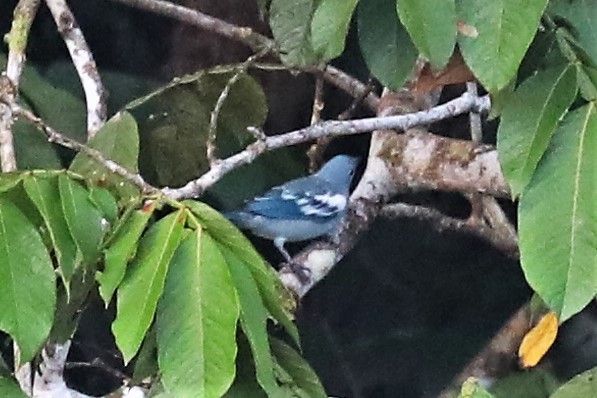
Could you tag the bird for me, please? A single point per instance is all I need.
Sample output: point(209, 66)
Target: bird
point(300, 209)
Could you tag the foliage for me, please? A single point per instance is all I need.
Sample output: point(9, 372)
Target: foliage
point(189, 285)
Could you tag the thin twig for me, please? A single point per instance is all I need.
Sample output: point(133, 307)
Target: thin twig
point(61, 139)
point(95, 94)
point(316, 150)
point(332, 128)
point(16, 39)
point(254, 40)
point(349, 112)
point(215, 113)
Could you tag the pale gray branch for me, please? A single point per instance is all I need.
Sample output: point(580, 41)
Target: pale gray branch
point(95, 94)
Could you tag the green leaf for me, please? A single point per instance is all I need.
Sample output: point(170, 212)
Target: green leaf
point(121, 249)
point(196, 321)
point(10, 180)
point(472, 389)
point(9, 388)
point(505, 31)
point(45, 194)
point(253, 318)
point(273, 294)
point(118, 140)
point(143, 284)
point(583, 385)
point(105, 202)
point(174, 123)
point(582, 15)
point(432, 27)
point(558, 217)
point(27, 291)
point(294, 372)
point(329, 27)
point(290, 21)
point(587, 82)
point(385, 44)
point(84, 220)
point(528, 120)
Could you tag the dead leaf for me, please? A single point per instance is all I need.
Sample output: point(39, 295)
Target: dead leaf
point(538, 340)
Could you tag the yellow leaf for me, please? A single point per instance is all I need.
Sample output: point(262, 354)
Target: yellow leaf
point(538, 340)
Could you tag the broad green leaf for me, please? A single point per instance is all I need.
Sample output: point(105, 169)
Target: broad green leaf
point(273, 294)
point(472, 389)
point(174, 123)
point(294, 373)
point(582, 15)
point(290, 21)
point(45, 194)
point(122, 249)
point(84, 220)
point(385, 44)
point(118, 140)
point(253, 318)
point(9, 388)
point(27, 291)
point(583, 385)
point(432, 27)
point(558, 217)
point(143, 283)
point(196, 321)
point(329, 27)
point(528, 120)
point(505, 31)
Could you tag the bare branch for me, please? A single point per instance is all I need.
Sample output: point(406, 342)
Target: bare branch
point(442, 222)
point(245, 35)
point(16, 39)
point(61, 139)
point(213, 120)
point(95, 94)
point(489, 183)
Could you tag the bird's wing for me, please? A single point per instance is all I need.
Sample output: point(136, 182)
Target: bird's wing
point(293, 201)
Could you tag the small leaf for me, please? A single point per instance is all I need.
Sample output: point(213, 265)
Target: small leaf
point(529, 119)
point(272, 292)
point(432, 27)
point(118, 140)
point(196, 321)
point(27, 291)
point(84, 220)
point(558, 217)
point(582, 15)
point(45, 194)
point(472, 389)
point(583, 385)
point(385, 44)
point(122, 249)
point(290, 21)
point(105, 202)
point(143, 283)
point(329, 27)
point(587, 82)
point(538, 341)
point(505, 31)
point(295, 373)
point(253, 317)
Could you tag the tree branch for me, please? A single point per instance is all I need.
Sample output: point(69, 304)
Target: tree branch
point(16, 39)
point(492, 183)
point(95, 94)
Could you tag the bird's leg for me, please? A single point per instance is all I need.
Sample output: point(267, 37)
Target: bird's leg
point(298, 269)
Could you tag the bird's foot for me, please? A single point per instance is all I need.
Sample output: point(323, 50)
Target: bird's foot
point(302, 273)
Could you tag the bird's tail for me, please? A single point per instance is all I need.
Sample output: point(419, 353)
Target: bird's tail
point(239, 218)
